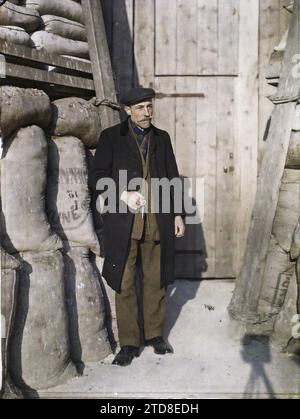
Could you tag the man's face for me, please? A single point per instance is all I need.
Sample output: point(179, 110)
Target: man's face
point(141, 113)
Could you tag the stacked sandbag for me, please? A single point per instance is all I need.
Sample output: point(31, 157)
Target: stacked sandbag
point(40, 351)
point(86, 307)
point(280, 268)
point(62, 31)
point(9, 266)
point(17, 22)
point(76, 117)
point(75, 126)
point(68, 195)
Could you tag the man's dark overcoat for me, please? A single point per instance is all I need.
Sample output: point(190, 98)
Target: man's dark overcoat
point(117, 151)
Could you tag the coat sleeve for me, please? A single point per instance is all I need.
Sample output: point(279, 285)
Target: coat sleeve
point(103, 160)
point(172, 173)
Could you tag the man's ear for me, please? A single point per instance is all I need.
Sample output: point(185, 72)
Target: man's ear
point(128, 110)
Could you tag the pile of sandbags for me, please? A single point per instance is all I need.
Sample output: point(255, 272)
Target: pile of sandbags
point(17, 22)
point(62, 31)
point(279, 296)
point(75, 126)
point(39, 349)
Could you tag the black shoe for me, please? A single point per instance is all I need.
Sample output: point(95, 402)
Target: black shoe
point(126, 355)
point(160, 346)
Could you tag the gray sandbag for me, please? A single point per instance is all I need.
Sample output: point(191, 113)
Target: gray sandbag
point(24, 224)
point(287, 213)
point(68, 194)
point(68, 8)
point(77, 117)
point(15, 35)
point(88, 335)
point(21, 107)
point(283, 329)
point(55, 44)
point(293, 155)
point(40, 350)
point(296, 122)
point(295, 248)
point(11, 14)
point(9, 266)
point(64, 27)
point(277, 276)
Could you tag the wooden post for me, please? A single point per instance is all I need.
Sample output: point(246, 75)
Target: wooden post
point(246, 295)
point(100, 58)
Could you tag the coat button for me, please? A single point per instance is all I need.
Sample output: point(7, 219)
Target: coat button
point(114, 265)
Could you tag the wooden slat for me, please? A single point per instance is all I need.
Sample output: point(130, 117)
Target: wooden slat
point(144, 42)
point(165, 39)
point(228, 36)
point(247, 119)
point(187, 39)
point(31, 54)
point(207, 37)
point(165, 109)
point(226, 205)
point(34, 74)
point(101, 64)
point(123, 60)
point(269, 37)
point(246, 295)
point(206, 168)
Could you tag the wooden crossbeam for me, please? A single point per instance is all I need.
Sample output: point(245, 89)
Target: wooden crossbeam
point(246, 295)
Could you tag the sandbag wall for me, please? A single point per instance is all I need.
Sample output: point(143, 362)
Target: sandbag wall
point(279, 299)
point(54, 26)
point(46, 224)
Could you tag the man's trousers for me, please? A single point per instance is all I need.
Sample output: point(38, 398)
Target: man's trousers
point(153, 295)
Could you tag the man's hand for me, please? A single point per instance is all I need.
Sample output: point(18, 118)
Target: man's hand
point(134, 200)
point(179, 226)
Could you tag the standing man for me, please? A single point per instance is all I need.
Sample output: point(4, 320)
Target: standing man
point(142, 151)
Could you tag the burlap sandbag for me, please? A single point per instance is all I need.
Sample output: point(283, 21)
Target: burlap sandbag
point(277, 276)
point(40, 351)
point(78, 117)
point(15, 35)
point(55, 44)
point(293, 155)
point(67, 8)
point(287, 213)
point(24, 224)
point(64, 27)
point(9, 265)
point(23, 107)
point(295, 248)
point(88, 335)
point(11, 14)
point(68, 195)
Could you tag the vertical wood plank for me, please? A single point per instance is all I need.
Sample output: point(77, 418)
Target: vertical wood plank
point(269, 24)
point(100, 59)
point(107, 8)
point(165, 37)
point(247, 118)
point(165, 108)
point(206, 168)
point(144, 42)
point(228, 36)
point(207, 25)
point(123, 61)
point(187, 38)
point(226, 205)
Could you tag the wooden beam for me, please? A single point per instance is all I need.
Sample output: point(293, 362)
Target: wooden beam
point(31, 54)
point(35, 74)
point(100, 58)
point(244, 303)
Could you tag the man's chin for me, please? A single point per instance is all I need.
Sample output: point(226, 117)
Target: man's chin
point(145, 124)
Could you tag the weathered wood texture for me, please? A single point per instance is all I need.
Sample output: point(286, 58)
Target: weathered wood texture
point(246, 295)
point(100, 58)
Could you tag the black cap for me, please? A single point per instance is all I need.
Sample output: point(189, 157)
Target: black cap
point(136, 95)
